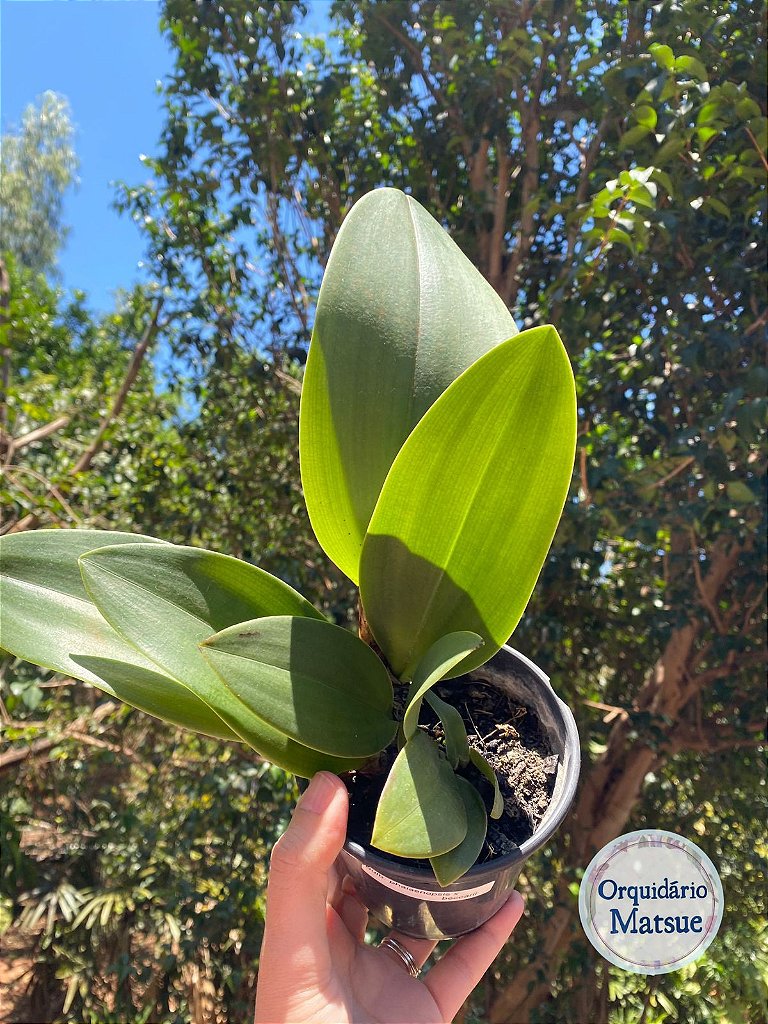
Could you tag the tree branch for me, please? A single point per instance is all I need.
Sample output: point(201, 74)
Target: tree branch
point(73, 730)
point(496, 240)
point(531, 115)
point(757, 146)
point(30, 521)
point(38, 434)
point(85, 460)
point(678, 469)
point(706, 597)
point(712, 738)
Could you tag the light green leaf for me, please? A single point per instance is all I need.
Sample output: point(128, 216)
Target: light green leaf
point(712, 204)
point(442, 656)
point(482, 766)
point(645, 115)
point(456, 745)
point(691, 66)
point(421, 810)
point(663, 55)
point(705, 136)
point(401, 313)
point(471, 504)
point(452, 865)
point(710, 112)
point(643, 195)
point(664, 179)
point(747, 108)
point(47, 617)
point(315, 682)
point(617, 236)
point(166, 601)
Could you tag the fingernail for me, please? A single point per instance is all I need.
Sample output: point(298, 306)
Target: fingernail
point(318, 794)
point(348, 886)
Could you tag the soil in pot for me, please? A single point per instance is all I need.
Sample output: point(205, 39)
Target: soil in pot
point(508, 734)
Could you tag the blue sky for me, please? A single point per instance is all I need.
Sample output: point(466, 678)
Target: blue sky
point(106, 57)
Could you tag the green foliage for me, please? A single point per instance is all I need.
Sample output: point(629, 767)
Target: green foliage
point(456, 743)
point(49, 619)
point(188, 596)
point(314, 682)
point(450, 866)
point(38, 165)
point(451, 529)
point(300, 691)
point(482, 766)
point(401, 314)
point(63, 366)
point(512, 123)
point(226, 475)
point(160, 849)
point(442, 656)
point(421, 809)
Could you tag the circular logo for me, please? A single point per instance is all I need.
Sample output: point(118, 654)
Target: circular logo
point(651, 902)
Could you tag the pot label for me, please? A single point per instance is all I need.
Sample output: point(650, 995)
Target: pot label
point(651, 902)
point(431, 895)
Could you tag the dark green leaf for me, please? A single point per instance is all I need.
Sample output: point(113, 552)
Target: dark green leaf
point(452, 865)
point(634, 136)
point(49, 619)
point(691, 66)
point(167, 601)
point(442, 656)
point(456, 745)
point(421, 810)
point(482, 765)
point(312, 681)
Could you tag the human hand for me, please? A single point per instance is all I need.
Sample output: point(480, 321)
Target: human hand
point(315, 967)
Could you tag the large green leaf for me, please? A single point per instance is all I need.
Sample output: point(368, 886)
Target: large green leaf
point(471, 504)
point(439, 659)
point(421, 811)
point(145, 687)
point(315, 682)
point(47, 617)
point(453, 864)
point(401, 313)
point(168, 600)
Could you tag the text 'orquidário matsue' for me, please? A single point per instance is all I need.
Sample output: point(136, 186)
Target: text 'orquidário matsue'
point(637, 923)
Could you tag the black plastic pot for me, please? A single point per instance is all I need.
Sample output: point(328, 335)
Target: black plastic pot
point(409, 898)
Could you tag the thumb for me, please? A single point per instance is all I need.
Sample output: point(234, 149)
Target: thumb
point(301, 861)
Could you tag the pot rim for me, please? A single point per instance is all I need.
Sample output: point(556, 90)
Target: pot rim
point(553, 820)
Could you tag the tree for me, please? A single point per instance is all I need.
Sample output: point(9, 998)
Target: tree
point(90, 438)
point(603, 164)
point(37, 167)
point(59, 406)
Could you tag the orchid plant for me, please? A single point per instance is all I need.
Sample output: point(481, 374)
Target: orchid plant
point(436, 446)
